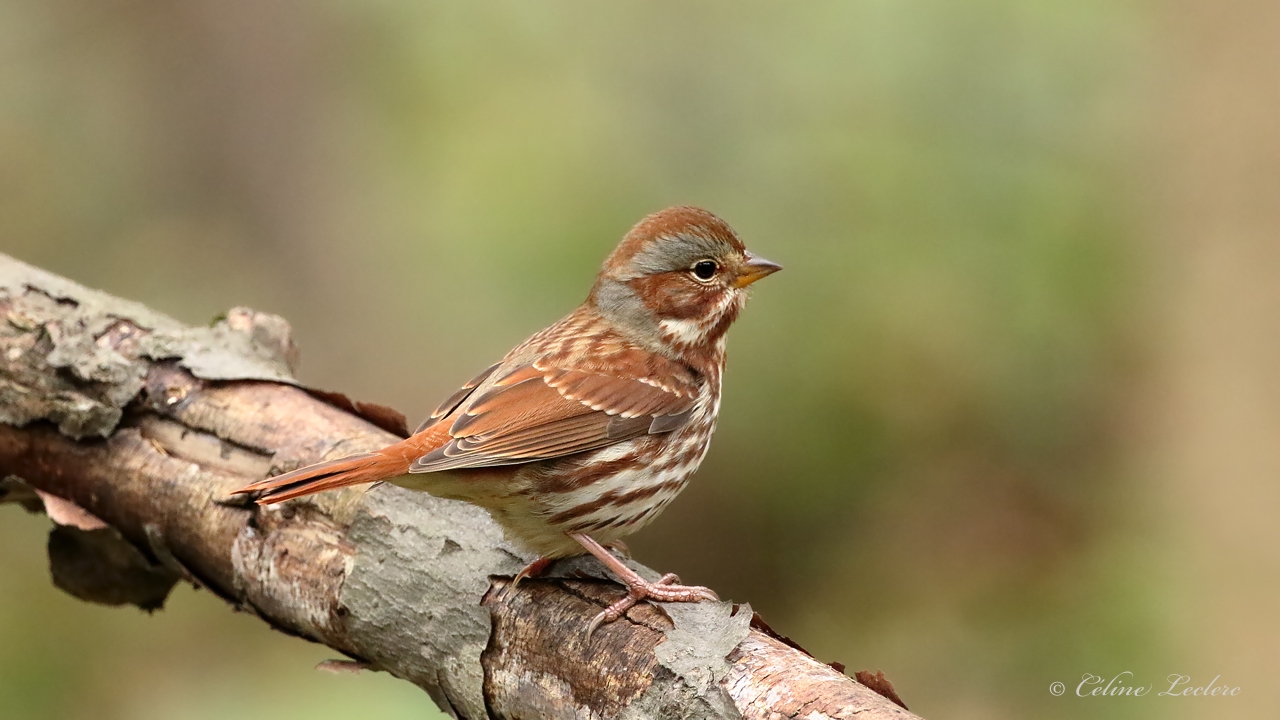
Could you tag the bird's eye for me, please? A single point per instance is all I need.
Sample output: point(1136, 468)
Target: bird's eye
point(705, 269)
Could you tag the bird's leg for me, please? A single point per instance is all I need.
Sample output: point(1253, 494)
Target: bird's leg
point(665, 590)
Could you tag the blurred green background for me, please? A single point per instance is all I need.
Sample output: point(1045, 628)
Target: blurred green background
point(1011, 415)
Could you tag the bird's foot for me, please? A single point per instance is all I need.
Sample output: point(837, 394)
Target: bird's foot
point(533, 569)
point(666, 589)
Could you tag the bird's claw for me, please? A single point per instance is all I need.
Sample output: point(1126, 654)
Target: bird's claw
point(620, 548)
point(666, 589)
point(533, 569)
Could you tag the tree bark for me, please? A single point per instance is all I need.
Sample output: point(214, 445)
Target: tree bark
point(130, 429)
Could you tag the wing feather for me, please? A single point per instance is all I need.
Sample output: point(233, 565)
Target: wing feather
point(457, 398)
point(528, 412)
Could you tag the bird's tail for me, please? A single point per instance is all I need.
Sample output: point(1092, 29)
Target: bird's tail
point(352, 470)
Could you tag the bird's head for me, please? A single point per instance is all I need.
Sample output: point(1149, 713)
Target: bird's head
point(678, 280)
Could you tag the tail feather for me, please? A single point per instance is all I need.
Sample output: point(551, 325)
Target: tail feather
point(353, 470)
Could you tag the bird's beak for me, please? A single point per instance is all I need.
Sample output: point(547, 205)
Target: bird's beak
point(754, 269)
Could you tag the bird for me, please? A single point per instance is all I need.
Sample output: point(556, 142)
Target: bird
point(586, 431)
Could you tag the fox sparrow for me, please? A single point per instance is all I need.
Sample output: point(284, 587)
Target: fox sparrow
point(586, 431)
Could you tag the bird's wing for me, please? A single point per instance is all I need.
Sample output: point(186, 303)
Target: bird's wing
point(457, 398)
point(538, 410)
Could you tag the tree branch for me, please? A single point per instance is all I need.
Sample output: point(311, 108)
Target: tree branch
point(129, 430)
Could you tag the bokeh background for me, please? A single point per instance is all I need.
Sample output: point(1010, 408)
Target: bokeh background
point(1010, 415)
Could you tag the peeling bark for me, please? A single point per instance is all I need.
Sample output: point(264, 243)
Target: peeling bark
point(131, 429)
